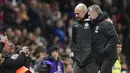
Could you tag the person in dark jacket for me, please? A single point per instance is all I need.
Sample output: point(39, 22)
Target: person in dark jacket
point(104, 39)
point(81, 42)
point(8, 65)
point(52, 63)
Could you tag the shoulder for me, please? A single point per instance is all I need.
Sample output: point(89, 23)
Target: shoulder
point(45, 66)
point(46, 62)
point(106, 24)
point(62, 62)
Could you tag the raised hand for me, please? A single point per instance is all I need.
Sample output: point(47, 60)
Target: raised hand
point(7, 46)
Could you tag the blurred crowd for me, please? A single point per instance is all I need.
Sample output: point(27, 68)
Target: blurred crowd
point(41, 23)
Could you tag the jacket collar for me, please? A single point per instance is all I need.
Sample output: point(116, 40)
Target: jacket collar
point(101, 17)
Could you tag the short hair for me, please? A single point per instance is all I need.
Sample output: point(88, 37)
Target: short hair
point(95, 8)
point(82, 6)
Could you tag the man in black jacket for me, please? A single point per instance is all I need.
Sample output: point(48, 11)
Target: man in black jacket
point(81, 42)
point(104, 39)
point(9, 65)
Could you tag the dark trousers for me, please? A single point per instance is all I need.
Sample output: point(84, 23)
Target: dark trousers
point(106, 66)
point(90, 68)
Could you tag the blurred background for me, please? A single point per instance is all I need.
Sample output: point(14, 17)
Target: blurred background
point(40, 23)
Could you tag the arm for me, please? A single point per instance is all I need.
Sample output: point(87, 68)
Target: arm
point(109, 20)
point(17, 63)
point(45, 68)
point(110, 31)
point(62, 66)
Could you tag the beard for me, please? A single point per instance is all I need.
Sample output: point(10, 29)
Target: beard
point(79, 19)
point(82, 18)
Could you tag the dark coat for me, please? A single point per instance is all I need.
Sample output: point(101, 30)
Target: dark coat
point(105, 38)
point(10, 65)
point(81, 42)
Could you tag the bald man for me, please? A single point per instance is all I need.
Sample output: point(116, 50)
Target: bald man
point(81, 42)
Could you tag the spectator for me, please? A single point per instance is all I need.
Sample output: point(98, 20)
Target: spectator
point(58, 33)
point(117, 66)
point(52, 63)
point(10, 65)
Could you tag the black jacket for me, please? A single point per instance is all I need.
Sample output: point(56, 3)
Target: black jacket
point(105, 38)
point(10, 65)
point(81, 42)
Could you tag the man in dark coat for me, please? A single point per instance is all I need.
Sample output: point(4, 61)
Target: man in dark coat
point(104, 39)
point(81, 42)
point(9, 65)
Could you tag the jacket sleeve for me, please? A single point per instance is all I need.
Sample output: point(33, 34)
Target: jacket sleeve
point(110, 31)
point(17, 63)
point(45, 68)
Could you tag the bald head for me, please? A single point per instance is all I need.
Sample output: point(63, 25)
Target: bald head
point(81, 7)
point(80, 11)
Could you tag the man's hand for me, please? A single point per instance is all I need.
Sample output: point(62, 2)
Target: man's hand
point(4, 39)
point(109, 20)
point(7, 46)
point(25, 49)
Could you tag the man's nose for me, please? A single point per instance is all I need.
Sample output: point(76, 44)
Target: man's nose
point(76, 15)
